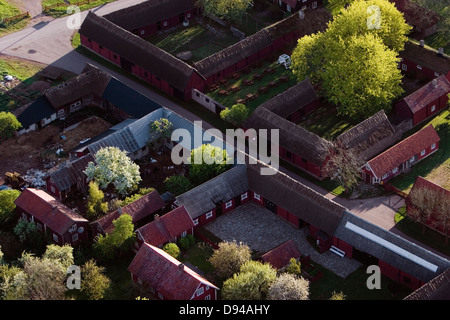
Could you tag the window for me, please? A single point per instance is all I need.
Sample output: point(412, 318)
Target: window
point(39, 226)
point(165, 24)
point(433, 146)
point(208, 297)
point(142, 32)
point(244, 196)
point(188, 15)
point(229, 204)
point(436, 74)
point(160, 296)
point(53, 189)
point(433, 108)
point(24, 216)
point(395, 170)
point(195, 222)
point(404, 67)
point(183, 234)
point(209, 215)
point(55, 238)
point(75, 237)
point(114, 56)
point(200, 291)
point(419, 67)
point(314, 5)
point(422, 153)
point(256, 196)
point(384, 176)
point(412, 159)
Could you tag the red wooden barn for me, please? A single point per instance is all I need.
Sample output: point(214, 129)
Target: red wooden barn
point(401, 156)
point(425, 102)
point(432, 190)
point(149, 17)
point(297, 145)
point(215, 197)
point(60, 223)
point(141, 211)
point(166, 228)
point(139, 57)
point(422, 63)
point(436, 289)
point(167, 278)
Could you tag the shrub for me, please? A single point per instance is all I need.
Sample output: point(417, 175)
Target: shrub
point(172, 249)
point(183, 243)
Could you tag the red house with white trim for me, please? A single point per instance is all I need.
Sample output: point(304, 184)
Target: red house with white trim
point(401, 156)
point(51, 217)
point(167, 278)
point(425, 102)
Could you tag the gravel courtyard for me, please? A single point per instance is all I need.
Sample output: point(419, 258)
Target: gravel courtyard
point(262, 231)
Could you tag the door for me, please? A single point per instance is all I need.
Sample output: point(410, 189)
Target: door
point(364, 257)
point(270, 206)
point(125, 64)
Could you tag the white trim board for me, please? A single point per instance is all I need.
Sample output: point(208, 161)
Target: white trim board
point(392, 247)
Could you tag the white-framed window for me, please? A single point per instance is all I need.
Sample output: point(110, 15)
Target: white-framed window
point(73, 228)
point(436, 74)
point(200, 291)
point(433, 108)
point(188, 15)
point(52, 188)
point(304, 0)
point(433, 146)
point(160, 295)
point(39, 226)
point(244, 196)
point(195, 222)
point(24, 216)
point(395, 170)
point(384, 176)
point(55, 238)
point(256, 196)
point(142, 31)
point(314, 5)
point(165, 24)
point(183, 234)
point(422, 153)
point(412, 159)
point(404, 67)
point(209, 215)
point(229, 204)
point(208, 297)
point(75, 237)
point(419, 67)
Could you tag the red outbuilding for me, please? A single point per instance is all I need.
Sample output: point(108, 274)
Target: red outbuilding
point(425, 102)
point(167, 278)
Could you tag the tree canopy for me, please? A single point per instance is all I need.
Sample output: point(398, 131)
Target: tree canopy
point(229, 257)
point(113, 166)
point(236, 114)
point(207, 161)
point(230, 10)
point(8, 124)
point(7, 206)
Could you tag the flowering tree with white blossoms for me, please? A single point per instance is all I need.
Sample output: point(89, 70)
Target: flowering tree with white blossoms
point(114, 166)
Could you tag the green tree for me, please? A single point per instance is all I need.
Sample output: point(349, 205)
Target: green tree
point(118, 241)
point(8, 124)
point(338, 296)
point(230, 10)
point(7, 205)
point(95, 205)
point(294, 267)
point(289, 287)
point(161, 131)
point(207, 162)
point(236, 114)
point(177, 184)
point(60, 254)
point(361, 76)
point(29, 235)
point(94, 283)
point(229, 257)
point(360, 18)
point(251, 283)
point(113, 166)
point(172, 249)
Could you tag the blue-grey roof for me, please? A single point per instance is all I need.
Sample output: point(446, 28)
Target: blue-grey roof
point(39, 109)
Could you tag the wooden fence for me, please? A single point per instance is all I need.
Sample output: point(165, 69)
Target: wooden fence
point(17, 17)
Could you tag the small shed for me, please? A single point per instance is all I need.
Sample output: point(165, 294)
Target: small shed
point(285, 60)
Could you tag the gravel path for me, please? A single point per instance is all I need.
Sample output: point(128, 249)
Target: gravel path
point(262, 230)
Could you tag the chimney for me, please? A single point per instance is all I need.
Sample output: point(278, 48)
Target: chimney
point(156, 217)
point(53, 209)
point(440, 52)
point(181, 267)
point(434, 83)
point(422, 43)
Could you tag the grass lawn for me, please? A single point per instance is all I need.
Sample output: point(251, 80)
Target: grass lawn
point(436, 167)
point(230, 99)
point(198, 256)
point(325, 122)
point(354, 287)
point(7, 10)
point(60, 11)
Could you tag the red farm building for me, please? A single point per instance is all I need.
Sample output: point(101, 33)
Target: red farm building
point(166, 278)
point(60, 223)
point(432, 191)
point(280, 256)
point(424, 64)
point(166, 228)
point(425, 102)
point(401, 156)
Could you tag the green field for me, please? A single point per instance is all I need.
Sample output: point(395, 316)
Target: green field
point(8, 10)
